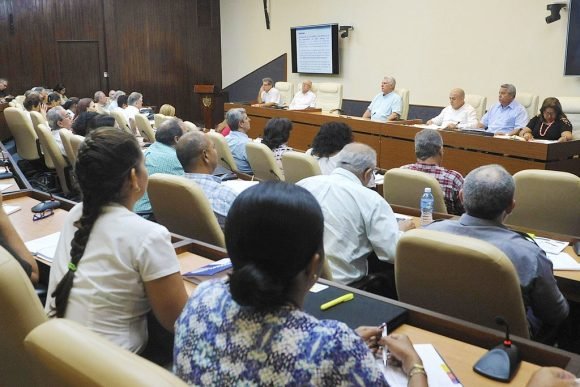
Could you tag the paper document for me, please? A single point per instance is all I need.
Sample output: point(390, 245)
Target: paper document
point(214, 270)
point(44, 247)
point(239, 185)
point(432, 126)
point(550, 245)
point(400, 217)
point(4, 187)
point(8, 209)
point(318, 288)
point(437, 371)
point(563, 261)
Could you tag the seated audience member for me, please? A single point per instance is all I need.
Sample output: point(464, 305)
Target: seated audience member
point(387, 105)
point(160, 157)
point(112, 267)
point(42, 92)
point(33, 102)
point(197, 154)
point(81, 123)
point(268, 95)
point(488, 197)
point(113, 99)
point(505, 115)
point(429, 152)
point(357, 220)
point(223, 128)
point(550, 124)
point(58, 119)
point(53, 100)
point(86, 105)
point(255, 319)
point(101, 102)
point(276, 135)
point(61, 90)
point(328, 142)
point(4, 93)
point(239, 123)
point(11, 241)
point(458, 115)
point(167, 110)
point(121, 103)
point(101, 121)
point(71, 107)
point(134, 102)
point(305, 98)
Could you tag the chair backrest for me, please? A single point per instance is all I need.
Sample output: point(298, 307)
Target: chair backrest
point(180, 205)
point(21, 128)
point(20, 99)
point(262, 161)
point(547, 200)
point(65, 137)
point(144, 127)
point(21, 312)
point(226, 159)
point(69, 354)
point(160, 118)
point(571, 106)
point(461, 277)
point(54, 155)
point(404, 93)
point(298, 166)
point(530, 102)
point(37, 119)
point(478, 102)
point(122, 121)
point(286, 90)
point(190, 126)
point(404, 187)
point(328, 96)
point(75, 142)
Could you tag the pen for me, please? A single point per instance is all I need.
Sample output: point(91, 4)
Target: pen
point(385, 349)
point(336, 301)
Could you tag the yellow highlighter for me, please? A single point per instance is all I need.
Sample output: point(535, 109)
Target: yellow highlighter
point(336, 301)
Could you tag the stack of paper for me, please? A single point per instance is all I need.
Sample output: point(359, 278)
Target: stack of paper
point(555, 252)
point(213, 270)
point(8, 209)
point(44, 247)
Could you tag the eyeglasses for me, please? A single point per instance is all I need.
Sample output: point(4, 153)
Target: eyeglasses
point(42, 215)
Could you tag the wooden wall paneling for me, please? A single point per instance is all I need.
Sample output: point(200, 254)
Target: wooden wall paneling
point(80, 69)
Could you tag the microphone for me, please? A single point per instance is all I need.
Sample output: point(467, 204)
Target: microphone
point(501, 362)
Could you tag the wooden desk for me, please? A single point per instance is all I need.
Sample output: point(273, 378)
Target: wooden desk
point(394, 143)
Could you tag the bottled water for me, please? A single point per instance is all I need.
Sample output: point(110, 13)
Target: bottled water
point(426, 207)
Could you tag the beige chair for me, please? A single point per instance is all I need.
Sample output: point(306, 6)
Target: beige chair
point(262, 161)
point(75, 143)
point(144, 127)
point(298, 166)
point(547, 200)
point(460, 277)
point(160, 118)
point(286, 90)
point(65, 137)
point(180, 205)
point(69, 354)
point(328, 96)
point(190, 126)
point(122, 121)
point(226, 159)
point(404, 187)
point(478, 102)
point(21, 128)
point(530, 102)
point(55, 157)
point(571, 106)
point(37, 119)
point(404, 93)
point(21, 313)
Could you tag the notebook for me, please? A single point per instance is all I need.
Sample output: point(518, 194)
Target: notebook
point(360, 311)
point(213, 270)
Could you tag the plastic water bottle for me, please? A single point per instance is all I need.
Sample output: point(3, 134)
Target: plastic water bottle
point(426, 207)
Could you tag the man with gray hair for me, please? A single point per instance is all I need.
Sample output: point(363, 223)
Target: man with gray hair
point(134, 102)
point(239, 123)
point(488, 197)
point(507, 114)
point(197, 154)
point(429, 152)
point(58, 119)
point(357, 220)
point(268, 95)
point(387, 105)
point(101, 102)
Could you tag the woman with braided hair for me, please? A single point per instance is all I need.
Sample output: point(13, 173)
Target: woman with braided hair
point(111, 267)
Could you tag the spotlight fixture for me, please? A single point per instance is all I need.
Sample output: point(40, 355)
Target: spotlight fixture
point(344, 31)
point(555, 9)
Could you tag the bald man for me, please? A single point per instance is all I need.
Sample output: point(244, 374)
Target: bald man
point(458, 115)
point(305, 98)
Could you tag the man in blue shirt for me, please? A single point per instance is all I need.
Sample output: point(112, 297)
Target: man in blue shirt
point(197, 154)
point(506, 115)
point(160, 157)
point(387, 105)
point(239, 123)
